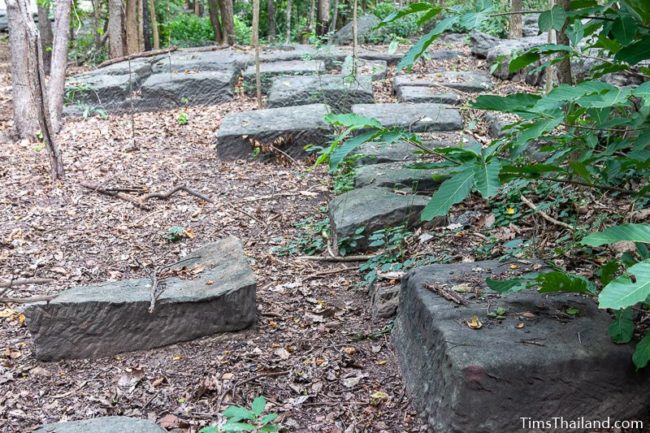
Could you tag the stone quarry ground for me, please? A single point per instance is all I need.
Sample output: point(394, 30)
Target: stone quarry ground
point(315, 353)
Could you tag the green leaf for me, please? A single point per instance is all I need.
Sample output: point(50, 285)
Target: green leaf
point(413, 8)
point(269, 418)
point(270, 429)
point(517, 102)
point(351, 120)
point(508, 286)
point(626, 291)
point(634, 53)
point(621, 330)
point(210, 429)
point(237, 413)
point(520, 62)
point(641, 355)
point(420, 47)
point(556, 282)
point(608, 271)
point(552, 19)
point(258, 405)
point(640, 9)
point(237, 427)
point(625, 232)
point(624, 29)
point(450, 192)
point(486, 177)
point(349, 145)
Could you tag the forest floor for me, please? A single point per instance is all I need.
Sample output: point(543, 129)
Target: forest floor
point(315, 353)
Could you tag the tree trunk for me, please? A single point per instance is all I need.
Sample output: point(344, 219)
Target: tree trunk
point(288, 36)
point(116, 44)
point(312, 16)
point(271, 16)
point(197, 8)
point(97, 18)
point(154, 25)
point(31, 112)
point(256, 43)
point(132, 27)
point(335, 17)
point(516, 19)
point(323, 17)
point(227, 21)
point(146, 26)
point(213, 11)
point(355, 41)
point(56, 88)
point(141, 21)
point(564, 67)
point(45, 30)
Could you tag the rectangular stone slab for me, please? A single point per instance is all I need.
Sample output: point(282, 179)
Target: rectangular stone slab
point(463, 81)
point(397, 175)
point(336, 91)
point(425, 117)
point(467, 380)
point(375, 68)
point(427, 94)
point(111, 318)
point(171, 90)
point(274, 69)
point(288, 128)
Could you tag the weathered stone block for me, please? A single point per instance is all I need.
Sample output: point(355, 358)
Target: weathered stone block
point(397, 175)
point(274, 69)
point(427, 94)
point(373, 68)
point(110, 318)
point(107, 424)
point(424, 117)
point(540, 362)
point(170, 90)
point(109, 92)
point(334, 90)
point(288, 128)
point(463, 81)
point(365, 24)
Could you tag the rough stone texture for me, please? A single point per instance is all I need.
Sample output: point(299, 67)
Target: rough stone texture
point(110, 318)
point(482, 43)
point(504, 49)
point(107, 424)
point(427, 94)
point(414, 117)
point(374, 68)
point(167, 90)
point(463, 81)
point(385, 301)
point(274, 69)
point(106, 91)
point(531, 25)
point(288, 128)
point(496, 123)
point(4, 22)
point(483, 381)
point(365, 24)
point(334, 90)
point(445, 54)
point(397, 175)
point(374, 209)
point(195, 61)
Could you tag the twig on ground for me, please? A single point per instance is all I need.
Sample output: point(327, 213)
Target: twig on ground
point(24, 281)
point(141, 201)
point(447, 294)
point(117, 194)
point(30, 300)
point(337, 259)
point(329, 272)
point(166, 195)
point(544, 215)
point(157, 284)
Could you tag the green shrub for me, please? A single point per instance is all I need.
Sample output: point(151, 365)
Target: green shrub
point(187, 30)
point(242, 32)
point(402, 28)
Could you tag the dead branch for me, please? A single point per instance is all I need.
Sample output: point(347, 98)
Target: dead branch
point(544, 215)
point(140, 201)
point(166, 195)
point(338, 259)
point(117, 194)
point(390, 275)
point(30, 300)
point(24, 281)
point(136, 56)
point(157, 284)
point(447, 294)
point(329, 272)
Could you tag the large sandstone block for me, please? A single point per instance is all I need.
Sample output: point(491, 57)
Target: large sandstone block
point(374, 68)
point(418, 94)
point(289, 129)
point(334, 90)
point(274, 69)
point(423, 117)
point(538, 362)
point(463, 81)
point(397, 175)
point(170, 90)
point(107, 424)
point(110, 318)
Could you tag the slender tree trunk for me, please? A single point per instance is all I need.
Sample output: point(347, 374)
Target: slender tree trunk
point(516, 19)
point(270, 9)
point(312, 16)
point(31, 112)
point(115, 41)
point(323, 17)
point(256, 44)
point(227, 21)
point(197, 8)
point(132, 40)
point(97, 18)
point(213, 11)
point(564, 73)
point(141, 21)
point(45, 30)
point(56, 88)
point(335, 17)
point(288, 36)
point(154, 25)
point(549, 72)
point(146, 26)
point(355, 39)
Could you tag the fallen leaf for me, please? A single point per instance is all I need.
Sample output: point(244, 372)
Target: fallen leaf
point(474, 323)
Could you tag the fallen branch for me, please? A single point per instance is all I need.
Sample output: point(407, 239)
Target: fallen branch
point(329, 272)
point(544, 215)
point(10, 300)
point(136, 56)
point(24, 281)
point(166, 195)
point(157, 284)
point(447, 294)
point(115, 193)
point(141, 201)
point(338, 259)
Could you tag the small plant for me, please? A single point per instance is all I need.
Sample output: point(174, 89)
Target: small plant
point(75, 92)
point(392, 241)
point(183, 118)
point(350, 243)
point(240, 419)
point(312, 239)
point(178, 233)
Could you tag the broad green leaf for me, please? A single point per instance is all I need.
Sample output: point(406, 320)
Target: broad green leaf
point(237, 427)
point(635, 53)
point(258, 405)
point(351, 120)
point(486, 177)
point(520, 62)
point(641, 355)
point(517, 102)
point(450, 192)
point(624, 29)
point(349, 145)
point(412, 8)
point(608, 271)
point(237, 413)
point(625, 232)
point(509, 172)
point(420, 47)
point(561, 282)
point(508, 286)
point(269, 418)
point(640, 8)
point(621, 330)
point(210, 429)
point(552, 19)
point(627, 290)
point(270, 429)
point(611, 97)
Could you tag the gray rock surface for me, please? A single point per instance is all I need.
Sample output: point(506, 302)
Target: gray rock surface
point(109, 92)
point(531, 25)
point(378, 152)
point(107, 424)
point(418, 94)
point(445, 54)
point(482, 43)
point(170, 90)
point(385, 301)
point(288, 128)
point(464, 380)
point(423, 117)
point(337, 91)
point(396, 175)
point(373, 209)
point(365, 24)
point(284, 68)
point(111, 318)
point(463, 81)
point(502, 51)
point(373, 68)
